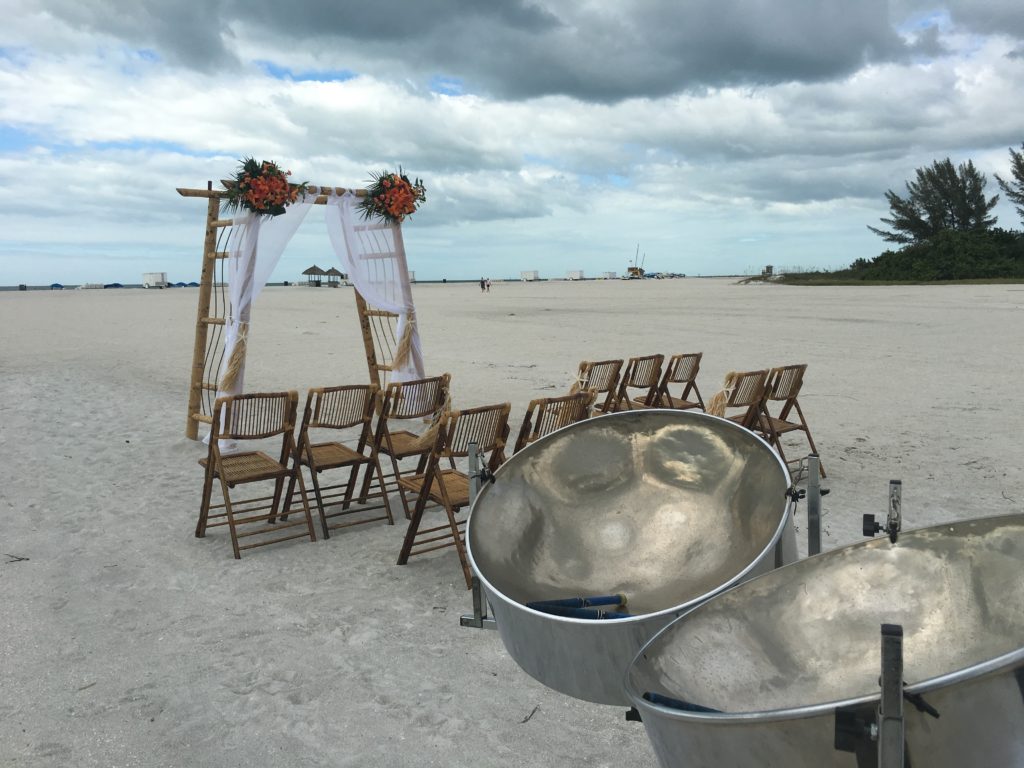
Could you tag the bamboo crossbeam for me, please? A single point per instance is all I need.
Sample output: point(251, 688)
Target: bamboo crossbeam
point(212, 320)
point(321, 191)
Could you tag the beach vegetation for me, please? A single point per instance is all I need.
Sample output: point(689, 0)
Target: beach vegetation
point(1014, 187)
point(942, 197)
point(945, 229)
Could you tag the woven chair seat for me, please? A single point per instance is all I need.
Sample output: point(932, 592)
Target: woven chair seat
point(405, 444)
point(455, 483)
point(780, 426)
point(333, 455)
point(249, 467)
point(668, 401)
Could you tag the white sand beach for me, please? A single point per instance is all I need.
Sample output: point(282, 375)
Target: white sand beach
point(126, 641)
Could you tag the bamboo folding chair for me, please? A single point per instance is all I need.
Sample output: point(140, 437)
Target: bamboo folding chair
point(642, 373)
point(409, 401)
point(783, 386)
point(348, 412)
point(545, 415)
point(486, 426)
point(254, 417)
point(603, 378)
point(746, 391)
point(681, 369)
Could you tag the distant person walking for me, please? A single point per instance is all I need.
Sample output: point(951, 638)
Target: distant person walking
point(483, 285)
point(488, 285)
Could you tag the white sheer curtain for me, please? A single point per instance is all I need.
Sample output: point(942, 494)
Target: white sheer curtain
point(373, 255)
point(255, 251)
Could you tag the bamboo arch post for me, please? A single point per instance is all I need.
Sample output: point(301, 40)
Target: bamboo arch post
point(203, 319)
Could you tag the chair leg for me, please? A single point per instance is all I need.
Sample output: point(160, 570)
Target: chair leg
point(383, 491)
point(351, 486)
point(275, 505)
point(204, 505)
point(231, 519)
point(305, 503)
point(319, 502)
point(810, 440)
point(460, 546)
point(414, 523)
point(401, 490)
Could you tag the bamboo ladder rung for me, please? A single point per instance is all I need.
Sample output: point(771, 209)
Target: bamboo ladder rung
point(218, 255)
point(222, 222)
point(211, 387)
point(212, 320)
point(203, 418)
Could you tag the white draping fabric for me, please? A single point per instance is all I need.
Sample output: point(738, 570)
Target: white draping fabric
point(372, 253)
point(254, 252)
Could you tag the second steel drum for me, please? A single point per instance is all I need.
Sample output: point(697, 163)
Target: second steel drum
point(666, 508)
point(783, 671)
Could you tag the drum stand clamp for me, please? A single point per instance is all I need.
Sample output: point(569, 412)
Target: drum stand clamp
point(894, 518)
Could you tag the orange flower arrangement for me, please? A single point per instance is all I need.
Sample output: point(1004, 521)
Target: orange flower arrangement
point(262, 188)
point(392, 196)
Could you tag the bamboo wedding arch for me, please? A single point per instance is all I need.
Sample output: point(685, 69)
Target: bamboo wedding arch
point(378, 327)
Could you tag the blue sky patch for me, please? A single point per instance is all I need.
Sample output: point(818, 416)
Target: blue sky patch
point(17, 140)
point(449, 86)
point(279, 72)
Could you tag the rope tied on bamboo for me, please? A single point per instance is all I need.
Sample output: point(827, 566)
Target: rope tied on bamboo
point(404, 348)
point(426, 441)
point(236, 361)
point(718, 401)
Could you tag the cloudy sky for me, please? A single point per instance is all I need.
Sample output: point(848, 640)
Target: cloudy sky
point(718, 135)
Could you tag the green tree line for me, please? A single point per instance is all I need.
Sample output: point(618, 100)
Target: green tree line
point(945, 230)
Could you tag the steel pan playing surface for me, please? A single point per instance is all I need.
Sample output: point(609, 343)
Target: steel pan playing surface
point(666, 507)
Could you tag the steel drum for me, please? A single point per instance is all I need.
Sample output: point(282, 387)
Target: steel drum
point(665, 507)
point(791, 660)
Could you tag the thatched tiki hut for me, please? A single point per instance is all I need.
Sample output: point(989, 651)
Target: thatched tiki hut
point(334, 277)
point(314, 276)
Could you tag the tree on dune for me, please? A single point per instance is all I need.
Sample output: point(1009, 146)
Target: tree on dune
point(942, 197)
point(1014, 189)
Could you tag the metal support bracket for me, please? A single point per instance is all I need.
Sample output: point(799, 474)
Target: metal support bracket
point(890, 708)
point(479, 618)
point(813, 505)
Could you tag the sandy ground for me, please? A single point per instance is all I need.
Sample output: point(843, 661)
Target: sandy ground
point(125, 641)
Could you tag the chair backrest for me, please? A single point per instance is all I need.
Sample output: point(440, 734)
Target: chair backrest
point(784, 382)
point(416, 399)
point(747, 388)
point(340, 407)
point(545, 415)
point(253, 416)
point(601, 376)
point(683, 369)
point(643, 372)
point(485, 425)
